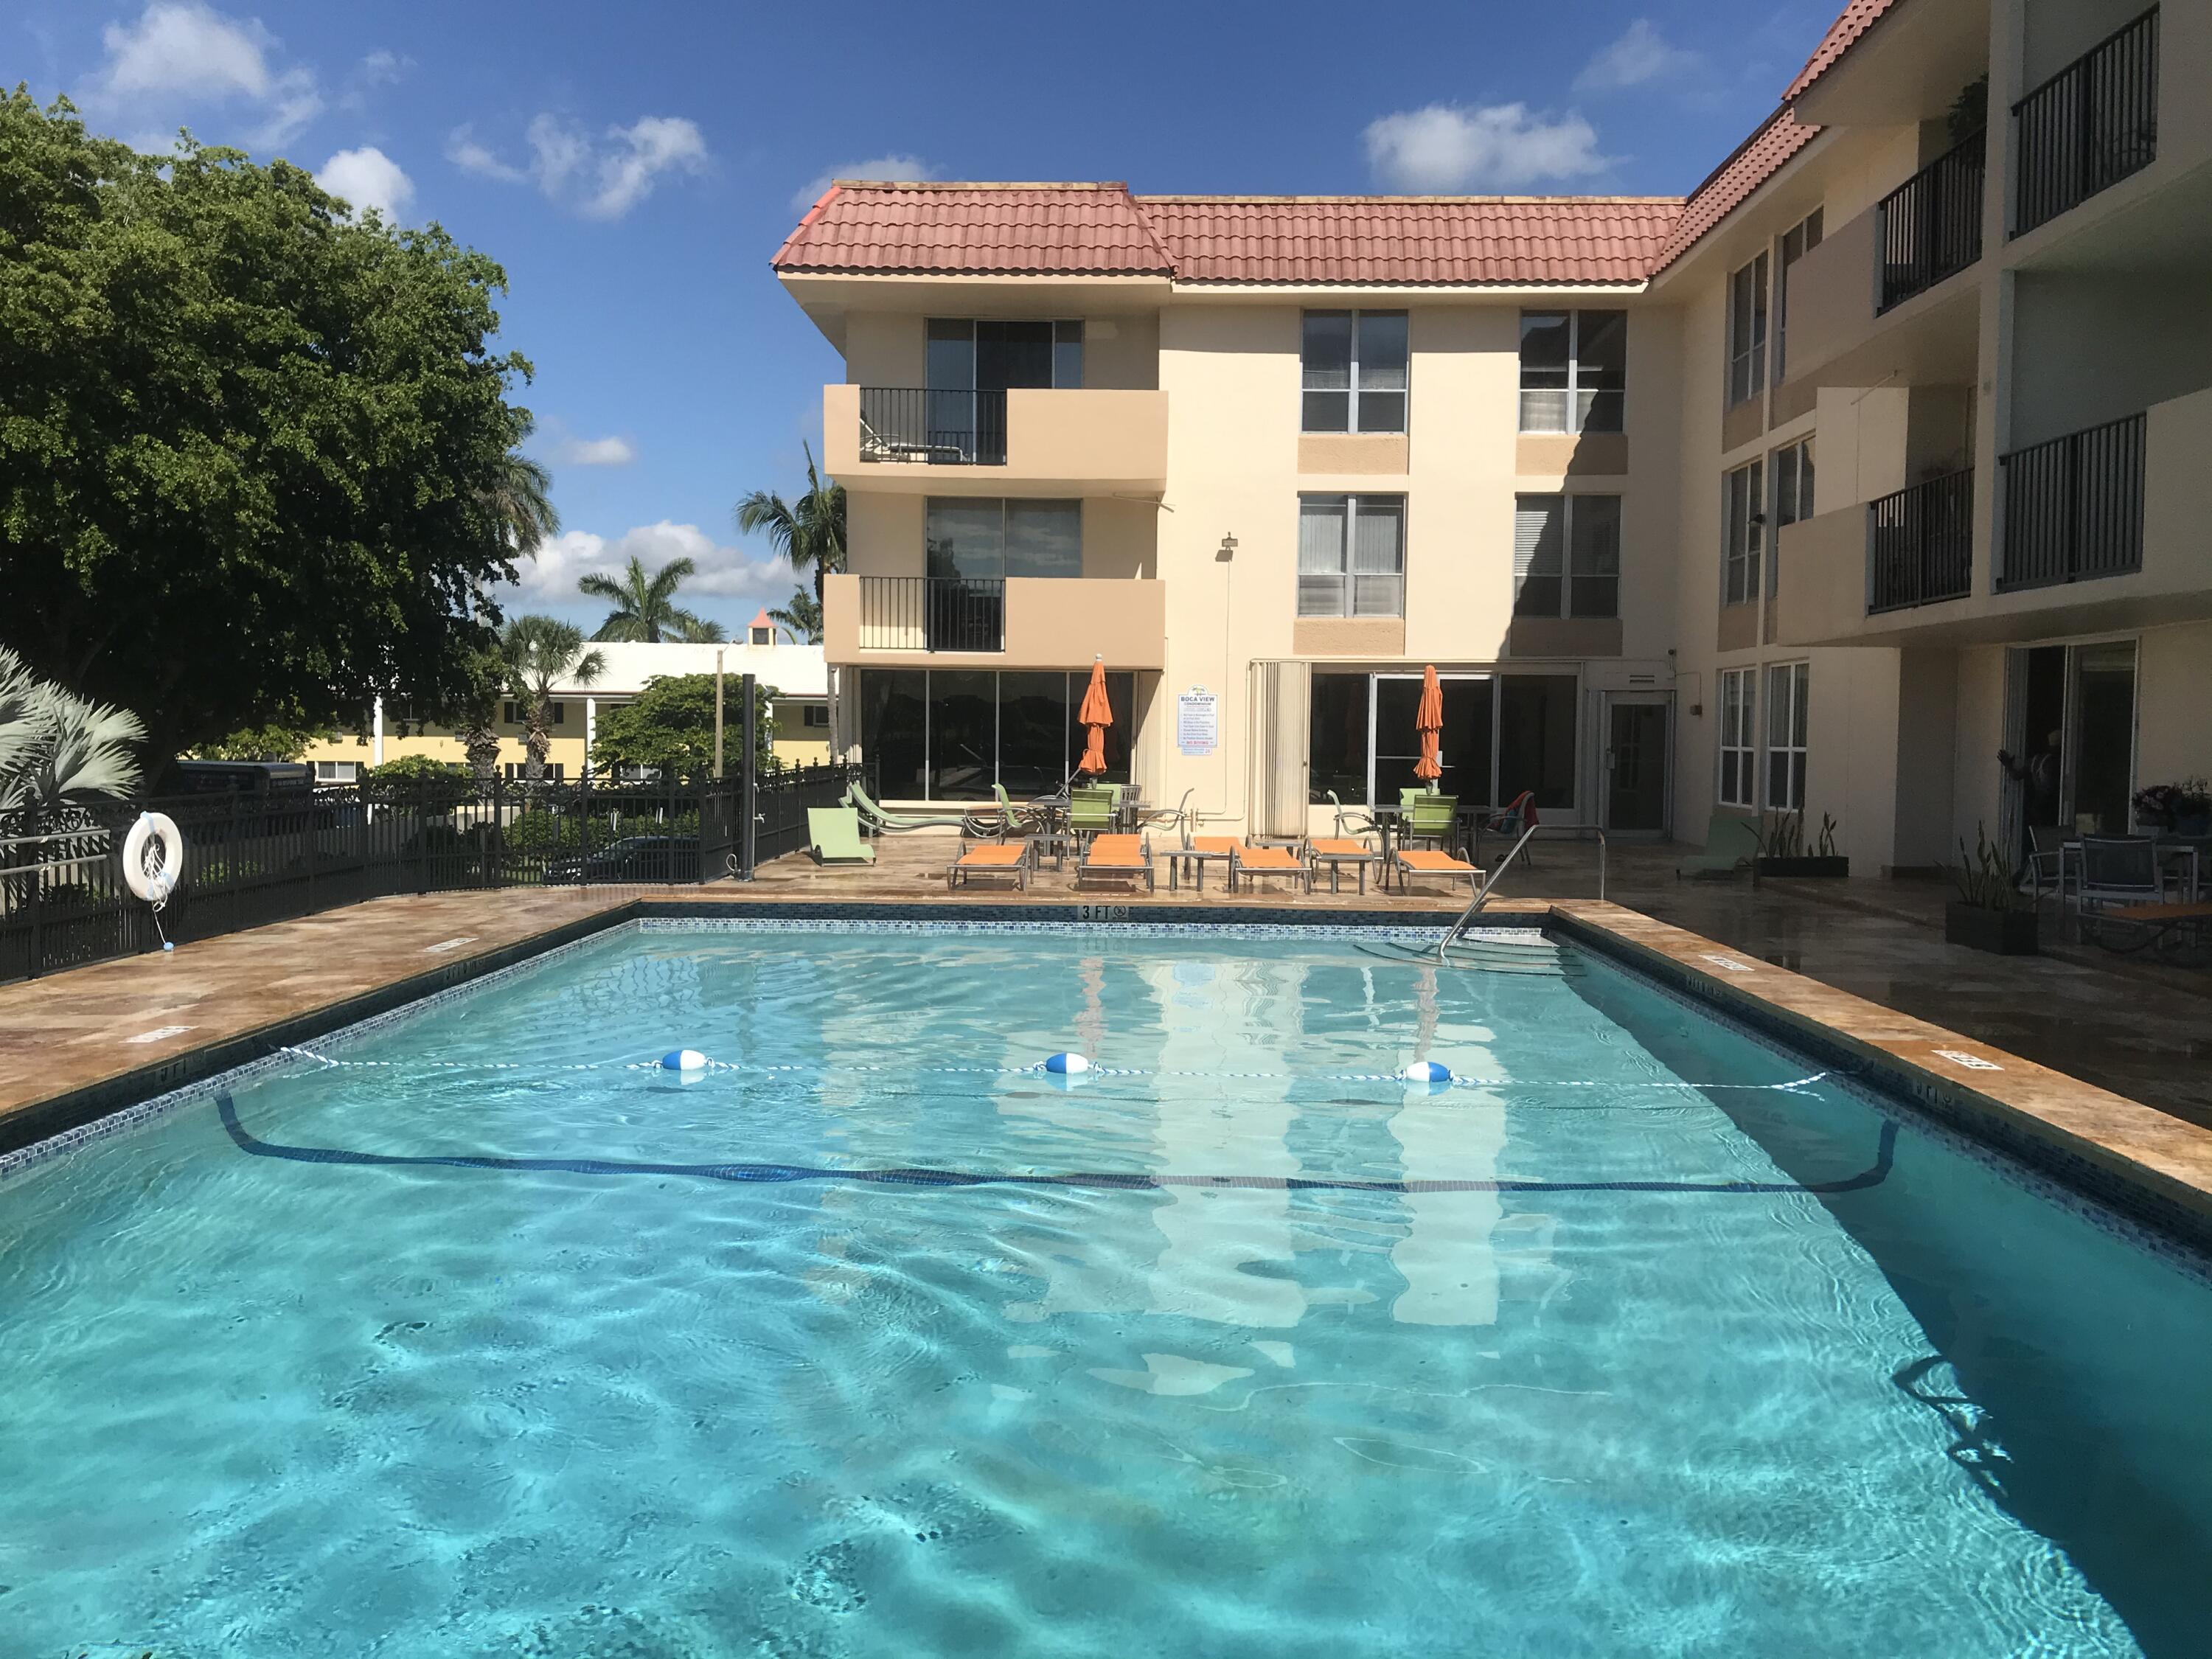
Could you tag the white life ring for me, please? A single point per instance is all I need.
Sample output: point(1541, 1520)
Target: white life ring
point(151, 870)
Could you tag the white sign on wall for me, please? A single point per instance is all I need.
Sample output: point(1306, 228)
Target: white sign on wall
point(1198, 721)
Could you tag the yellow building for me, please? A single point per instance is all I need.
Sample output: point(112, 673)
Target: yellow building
point(800, 711)
point(1267, 459)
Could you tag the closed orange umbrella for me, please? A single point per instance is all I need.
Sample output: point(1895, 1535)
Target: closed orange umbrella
point(1428, 722)
point(1097, 714)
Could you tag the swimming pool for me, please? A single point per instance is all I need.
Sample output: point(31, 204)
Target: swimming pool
point(472, 1333)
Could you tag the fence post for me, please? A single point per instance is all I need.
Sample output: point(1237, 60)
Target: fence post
point(747, 784)
point(230, 863)
point(490, 874)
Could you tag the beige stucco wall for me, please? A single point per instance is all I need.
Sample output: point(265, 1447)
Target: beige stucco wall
point(2174, 702)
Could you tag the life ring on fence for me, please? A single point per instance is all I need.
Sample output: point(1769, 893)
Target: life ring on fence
point(152, 857)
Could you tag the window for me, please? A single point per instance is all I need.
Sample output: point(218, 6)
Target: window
point(1787, 683)
point(1352, 555)
point(1793, 483)
point(518, 771)
point(1354, 371)
point(816, 715)
point(1745, 531)
point(560, 713)
point(507, 712)
point(1798, 241)
point(951, 734)
point(1503, 733)
point(966, 355)
point(1537, 739)
point(337, 771)
point(1737, 754)
point(1566, 556)
point(984, 540)
point(1574, 370)
point(761, 637)
point(1747, 332)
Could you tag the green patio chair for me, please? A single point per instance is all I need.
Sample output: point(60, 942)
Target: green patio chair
point(1431, 818)
point(1731, 842)
point(1090, 812)
point(884, 823)
point(834, 833)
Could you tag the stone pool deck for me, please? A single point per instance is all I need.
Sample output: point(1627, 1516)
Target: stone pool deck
point(1850, 970)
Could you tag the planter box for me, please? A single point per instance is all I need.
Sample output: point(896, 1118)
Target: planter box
point(1804, 866)
point(2002, 932)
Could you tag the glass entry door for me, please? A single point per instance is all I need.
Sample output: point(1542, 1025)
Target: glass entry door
point(1636, 763)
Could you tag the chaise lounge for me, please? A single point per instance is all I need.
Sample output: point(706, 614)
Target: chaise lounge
point(1117, 855)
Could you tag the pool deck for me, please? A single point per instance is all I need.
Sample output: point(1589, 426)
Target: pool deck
point(84, 1042)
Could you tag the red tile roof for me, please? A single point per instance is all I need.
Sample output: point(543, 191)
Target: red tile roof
point(1061, 230)
point(1758, 159)
point(1856, 18)
point(1400, 240)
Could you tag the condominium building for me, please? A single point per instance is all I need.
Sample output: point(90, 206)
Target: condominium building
point(798, 713)
point(1888, 448)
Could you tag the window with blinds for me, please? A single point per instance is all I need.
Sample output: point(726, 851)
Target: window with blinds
point(1352, 555)
point(1566, 556)
point(1574, 370)
point(1352, 369)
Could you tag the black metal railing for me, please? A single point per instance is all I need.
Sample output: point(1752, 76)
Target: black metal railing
point(252, 858)
point(1930, 226)
point(932, 613)
point(1920, 543)
point(2073, 507)
point(932, 427)
point(2088, 126)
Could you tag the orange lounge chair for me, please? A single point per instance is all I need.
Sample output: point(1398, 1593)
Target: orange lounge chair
point(1422, 862)
point(1117, 855)
point(1336, 852)
point(1250, 861)
point(1195, 851)
point(1001, 858)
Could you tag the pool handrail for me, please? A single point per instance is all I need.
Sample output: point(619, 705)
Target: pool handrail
point(1482, 894)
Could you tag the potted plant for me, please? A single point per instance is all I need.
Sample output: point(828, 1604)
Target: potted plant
point(1990, 913)
point(2184, 808)
point(1781, 850)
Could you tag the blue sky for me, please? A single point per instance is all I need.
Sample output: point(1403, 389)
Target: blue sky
point(633, 166)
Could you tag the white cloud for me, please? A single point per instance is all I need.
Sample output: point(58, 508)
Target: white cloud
point(601, 178)
point(181, 53)
point(596, 452)
point(380, 67)
point(1500, 147)
point(903, 168)
point(725, 572)
point(1639, 57)
point(366, 177)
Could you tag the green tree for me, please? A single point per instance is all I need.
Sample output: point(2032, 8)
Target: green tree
point(542, 654)
point(519, 494)
point(799, 617)
point(257, 460)
point(810, 532)
point(273, 742)
point(56, 748)
point(645, 605)
point(670, 727)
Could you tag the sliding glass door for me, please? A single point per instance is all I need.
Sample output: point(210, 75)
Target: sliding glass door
point(1504, 733)
point(943, 734)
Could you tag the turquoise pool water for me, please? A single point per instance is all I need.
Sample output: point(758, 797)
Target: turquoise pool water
point(1572, 1358)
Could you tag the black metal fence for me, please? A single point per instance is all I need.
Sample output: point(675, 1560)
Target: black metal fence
point(2074, 506)
point(2088, 126)
point(932, 613)
point(1931, 224)
point(1920, 545)
point(933, 428)
point(254, 859)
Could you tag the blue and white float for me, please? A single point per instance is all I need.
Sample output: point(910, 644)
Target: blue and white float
point(1427, 1071)
point(1066, 1065)
point(683, 1060)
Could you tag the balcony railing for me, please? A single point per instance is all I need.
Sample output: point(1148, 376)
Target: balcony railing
point(2073, 507)
point(2088, 126)
point(933, 428)
point(932, 613)
point(1920, 547)
point(1931, 224)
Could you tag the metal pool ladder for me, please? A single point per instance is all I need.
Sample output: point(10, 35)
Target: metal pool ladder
point(1482, 895)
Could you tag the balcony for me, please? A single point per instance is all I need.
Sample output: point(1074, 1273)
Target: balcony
point(1012, 623)
point(1920, 545)
point(2087, 127)
point(2073, 507)
point(1930, 226)
point(1029, 441)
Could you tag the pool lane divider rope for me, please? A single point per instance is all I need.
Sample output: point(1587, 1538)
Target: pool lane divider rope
point(1793, 1085)
point(1105, 1180)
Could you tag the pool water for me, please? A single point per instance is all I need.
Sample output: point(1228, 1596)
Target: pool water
point(490, 1340)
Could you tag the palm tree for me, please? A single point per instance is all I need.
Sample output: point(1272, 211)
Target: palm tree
point(703, 630)
point(478, 711)
point(799, 617)
point(56, 748)
point(541, 653)
point(811, 534)
point(516, 493)
point(645, 606)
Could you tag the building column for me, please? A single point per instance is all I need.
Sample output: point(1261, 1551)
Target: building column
point(376, 732)
point(591, 730)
